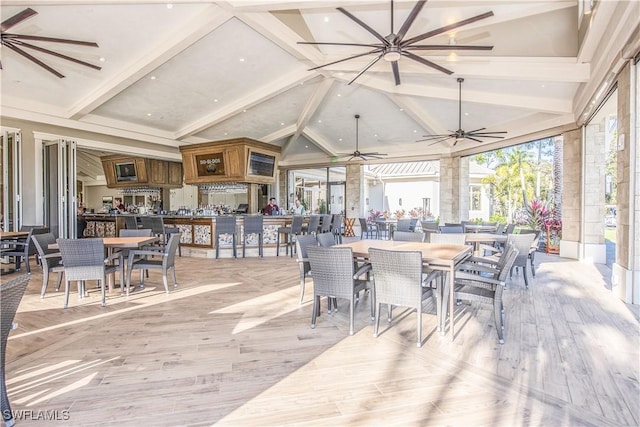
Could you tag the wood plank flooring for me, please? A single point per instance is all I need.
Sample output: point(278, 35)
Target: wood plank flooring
point(232, 346)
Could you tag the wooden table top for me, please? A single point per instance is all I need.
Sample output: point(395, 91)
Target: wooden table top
point(432, 253)
point(13, 234)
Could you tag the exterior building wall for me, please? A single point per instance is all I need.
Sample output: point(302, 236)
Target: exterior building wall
point(447, 197)
point(572, 195)
point(354, 188)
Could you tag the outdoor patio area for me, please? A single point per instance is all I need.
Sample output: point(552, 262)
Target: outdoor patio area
point(233, 346)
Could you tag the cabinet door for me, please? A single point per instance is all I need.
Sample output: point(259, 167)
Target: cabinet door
point(158, 172)
point(175, 173)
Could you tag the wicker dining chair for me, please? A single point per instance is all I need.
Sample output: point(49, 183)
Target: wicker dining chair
point(367, 230)
point(479, 288)
point(253, 224)
point(50, 259)
point(326, 239)
point(11, 293)
point(130, 222)
point(139, 260)
point(226, 225)
point(408, 236)
point(312, 226)
point(21, 249)
point(336, 227)
point(448, 238)
point(84, 259)
point(398, 280)
point(334, 276)
point(302, 243)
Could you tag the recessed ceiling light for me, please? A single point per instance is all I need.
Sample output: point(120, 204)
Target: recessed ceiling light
point(169, 6)
point(148, 114)
point(102, 59)
point(215, 100)
point(340, 139)
point(306, 146)
point(326, 19)
point(281, 123)
point(466, 114)
point(241, 59)
point(153, 77)
point(319, 121)
point(339, 94)
point(402, 109)
point(415, 131)
point(244, 111)
point(375, 134)
point(226, 134)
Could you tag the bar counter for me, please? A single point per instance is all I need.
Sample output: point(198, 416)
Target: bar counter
point(197, 231)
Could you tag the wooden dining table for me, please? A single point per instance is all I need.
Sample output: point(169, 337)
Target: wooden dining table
point(13, 234)
point(437, 256)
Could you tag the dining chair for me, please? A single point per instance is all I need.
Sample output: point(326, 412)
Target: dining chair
point(326, 239)
point(474, 287)
point(139, 260)
point(398, 281)
point(325, 223)
point(21, 249)
point(408, 236)
point(290, 233)
point(312, 226)
point(226, 225)
point(334, 276)
point(404, 224)
point(534, 247)
point(130, 222)
point(253, 225)
point(336, 227)
point(84, 259)
point(367, 230)
point(50, 259)
point(522, 243)
point(451, 229)
point(11, 293)
point(302, 243)
point(158, 228)
point(448, 238)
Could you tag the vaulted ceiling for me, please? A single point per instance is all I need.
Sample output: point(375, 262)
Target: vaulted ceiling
point(205, 71)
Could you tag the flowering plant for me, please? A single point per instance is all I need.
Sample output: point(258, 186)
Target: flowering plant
point(537, 213)
point(399, 213)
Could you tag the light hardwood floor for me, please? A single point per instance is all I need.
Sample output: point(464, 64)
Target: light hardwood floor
point(232, 346)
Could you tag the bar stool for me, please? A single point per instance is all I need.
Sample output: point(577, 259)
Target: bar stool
point(289, 232)
point(130, 222)
point(325, 224)
point(253, 225)
point(312, 227)
point(336, 227)
point(226, 225)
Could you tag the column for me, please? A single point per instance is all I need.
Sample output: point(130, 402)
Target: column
point(454, 189)
point(571, 194)
point(354, 191)
point(593, 244)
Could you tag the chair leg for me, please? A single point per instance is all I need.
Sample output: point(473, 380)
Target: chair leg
point(260, 242)
point(244, 245)
point(524, 273)
point(389, 312)
point(103, 283)
point(419, 315)
point(59, 281)
point(164, 281)
point(45, 281)
point(217, 245)
point(497, 314)
point(376, 327)
point(351, 316)
point(278, 245)
point(316, 308)
point(302, 284)
point(173, 272)
point(66, 293)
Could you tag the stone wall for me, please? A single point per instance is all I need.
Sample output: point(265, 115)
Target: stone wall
point(571, 185)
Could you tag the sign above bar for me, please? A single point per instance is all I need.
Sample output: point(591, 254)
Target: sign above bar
point(210, 164)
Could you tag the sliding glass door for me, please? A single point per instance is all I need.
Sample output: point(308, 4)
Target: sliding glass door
point(10, 181)
point(60, 204)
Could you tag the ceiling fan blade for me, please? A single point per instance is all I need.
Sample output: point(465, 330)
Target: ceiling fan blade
point(50, 39)
point(439, 141)
point(365, 26)
point(483, 135)
point(428, 137)
point(366, 68)
point(472, 138)
point(446, 29)
point(426, 62)
point(32, 58)
point(59, 55)
point(342, 44)
point(374, 154)
point(477, 130)
point(396, 72)
point(346, 59)
point(447, 47)
point(409, 21)
point(16, 19)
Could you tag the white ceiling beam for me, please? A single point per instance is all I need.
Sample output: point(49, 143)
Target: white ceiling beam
point(320, 142)
point(261, 94)
point(168, 47)
point(308, 111)
point(419, 115)
point(279, 134)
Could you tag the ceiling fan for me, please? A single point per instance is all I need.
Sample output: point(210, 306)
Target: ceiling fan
point(357, 154)
point(17, 43)
point(460, 135)
point(392, 47)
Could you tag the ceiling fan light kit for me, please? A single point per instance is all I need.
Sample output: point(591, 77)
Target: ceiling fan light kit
point(394, 46)
point(17, 43)
point(461, 135)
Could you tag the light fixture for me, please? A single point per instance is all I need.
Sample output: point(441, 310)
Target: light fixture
point(392, 54)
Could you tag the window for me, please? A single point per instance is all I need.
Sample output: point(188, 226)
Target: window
point(475, 196)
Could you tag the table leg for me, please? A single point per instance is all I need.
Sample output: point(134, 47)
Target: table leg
point(452, 303)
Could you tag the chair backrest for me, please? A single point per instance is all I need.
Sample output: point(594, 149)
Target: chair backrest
point(83, 259)
point(454, 224)
point(404, 224)
point(296, 224)
point(397, 276)
point(226, 224)
point(363, 225)
point(326, 239)
point(35, 232)
point(429, 225)
point(336, 223)
point(448, 238)
point(130, 222)
point(510, 228)
point(500, 228)
point(332, 271)
point(253, 224)
point(11, 292)
point(509, 261)
point(325, 226)
point(138, 232)
point(314, 224)
point(155, 223)
point(522, 243)
point(169, 259)
point(408, 236)
point(41, 242)
point(451, 229)
point(302, 243)
point(536, 233)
